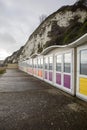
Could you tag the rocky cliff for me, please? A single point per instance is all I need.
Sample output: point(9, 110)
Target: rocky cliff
point(15, 57)
point(62, 27)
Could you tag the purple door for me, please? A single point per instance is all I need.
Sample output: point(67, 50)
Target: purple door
point(58, 78)
point(67, 81)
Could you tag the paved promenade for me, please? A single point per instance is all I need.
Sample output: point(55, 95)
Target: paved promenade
point(27, 103)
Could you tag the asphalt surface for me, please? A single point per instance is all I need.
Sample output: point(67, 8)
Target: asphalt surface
point(27, 103)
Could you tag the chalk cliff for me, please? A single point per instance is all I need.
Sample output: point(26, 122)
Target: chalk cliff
point(60, 28)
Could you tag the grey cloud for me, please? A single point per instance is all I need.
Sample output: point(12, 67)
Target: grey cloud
point(7, 38)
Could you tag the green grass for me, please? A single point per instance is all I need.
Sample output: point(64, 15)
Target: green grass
point(2, 71)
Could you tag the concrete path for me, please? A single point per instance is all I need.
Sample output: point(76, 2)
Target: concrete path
point(27, 103)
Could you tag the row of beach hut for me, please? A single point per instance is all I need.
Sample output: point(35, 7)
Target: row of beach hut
point(65, 67)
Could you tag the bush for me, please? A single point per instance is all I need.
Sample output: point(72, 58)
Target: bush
point(2, 71)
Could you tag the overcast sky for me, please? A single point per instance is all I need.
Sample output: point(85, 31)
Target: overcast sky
point(19, 18)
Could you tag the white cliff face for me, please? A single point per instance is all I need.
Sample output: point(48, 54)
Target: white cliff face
point(40, 37)
point(63, 19)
